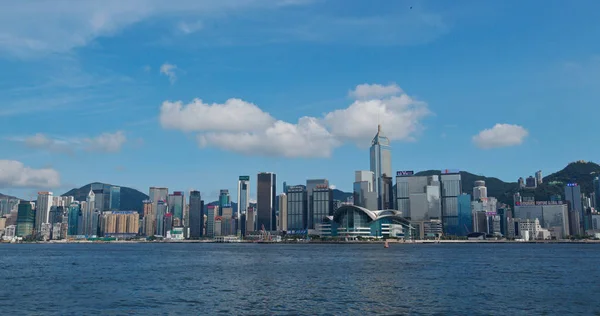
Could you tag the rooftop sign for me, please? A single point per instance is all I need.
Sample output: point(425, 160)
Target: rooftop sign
point(405, 173)
point(244, 178)
point(450, 171)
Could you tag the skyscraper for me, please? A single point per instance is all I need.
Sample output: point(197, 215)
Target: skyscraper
point(364, 193)
point(451, 189)
point(149, 218)
point(158, 194)
point(597, 192)
point(175, 202)
point(42, 209)
point(74, 214)
point(161, 211)
point(297, 208)
point(224, 200)
point(265, 201)
point(196, 215)
point(381, 163)
point(479, 190)
point(322, 205)
point(243, 202)
point(573, 198)
point(311, 185)
point(283, 213)
point(210, 220)
point(26, 218)
point(115, 198)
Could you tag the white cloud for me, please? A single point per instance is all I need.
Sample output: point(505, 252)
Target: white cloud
point(106, 142)
point(308, 138)
point(243, 127)
point(15, 174)
point(29, 29)
point(399, 116)
point(501, 135)
point(234, 115)
point(332, 186)
point(169, 71)
point(374, 91)
point(190, 27)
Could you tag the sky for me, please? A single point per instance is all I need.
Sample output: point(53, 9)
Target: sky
point(191, 94)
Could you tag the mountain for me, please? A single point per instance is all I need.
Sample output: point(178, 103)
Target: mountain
point(7, 197)
point(579, 172)
point(131, 199)
point(497, 188)
point(341, 195)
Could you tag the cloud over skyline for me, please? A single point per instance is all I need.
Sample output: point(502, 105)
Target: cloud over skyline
point(501, 135)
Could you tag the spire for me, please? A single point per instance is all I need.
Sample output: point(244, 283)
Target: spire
point(378, 128)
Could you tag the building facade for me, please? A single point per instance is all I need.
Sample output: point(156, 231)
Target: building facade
point(451, 189)
point(381, 163)
point(42, 209)
point(26, 220)
point(115, 198)
point(243, 202)
point(364, 191)
point(573, 199)
point(283, 212)
point(297, 207)
point(196, 215)
point(265, 201)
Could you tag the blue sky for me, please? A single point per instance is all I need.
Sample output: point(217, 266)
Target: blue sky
point(192, 94)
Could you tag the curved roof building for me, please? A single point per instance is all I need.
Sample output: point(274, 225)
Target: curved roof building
point(353, 221)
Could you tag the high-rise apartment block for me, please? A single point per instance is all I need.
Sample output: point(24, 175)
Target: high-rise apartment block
point(479, 190)
point(42, 209)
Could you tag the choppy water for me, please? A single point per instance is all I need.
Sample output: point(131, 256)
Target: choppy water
point(194, 279)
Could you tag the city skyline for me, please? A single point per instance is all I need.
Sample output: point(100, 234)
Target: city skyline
point(444, 80)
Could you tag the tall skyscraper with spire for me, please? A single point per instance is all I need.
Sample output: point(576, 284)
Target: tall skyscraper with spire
point(381, 163)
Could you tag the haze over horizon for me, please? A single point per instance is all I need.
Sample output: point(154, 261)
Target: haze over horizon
point(193, 94)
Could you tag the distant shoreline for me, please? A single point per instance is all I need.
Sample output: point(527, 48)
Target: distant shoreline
point(421, 242)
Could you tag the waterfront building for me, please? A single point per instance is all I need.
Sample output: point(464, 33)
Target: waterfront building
point(451, 189)
point(479, 190)
point(485, 211)
point(552, 215)
point(161, 211)
point(210, 220)
point(538, 177)
point(87, 215)
point(265, 201)
point(322, 205)
point(74, 213)
point(115, 198)
point(218, 226)
point(42, 209)
point(311, 184)
point(168, 224)
point(243, 202)
point(157, 194)
point(381, 163)
point(176, 202)
point(149, 218)
point(224, 199)
point(119, 223)
point(573, 199)
point(354, 221)
point(465, 217)
point(364, 192)
point(283, 212)
point(26, 220)
point(532, 230)
point(227, 228)
point(297, 213)
point(196, 215)
point(250, 220)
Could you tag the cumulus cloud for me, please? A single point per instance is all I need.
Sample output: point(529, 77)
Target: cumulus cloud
point(370, 91)
point(243, 127)
point(169, 71)
point(399, 116)
point(15, 174)
point(307, 138)
point(234, 115)
point(501, 135)
point(105, 142)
